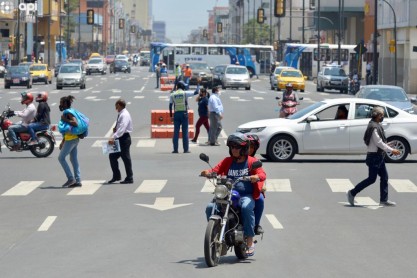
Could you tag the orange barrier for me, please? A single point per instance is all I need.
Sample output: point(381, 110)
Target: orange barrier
point(167, 87)
point(162, 127)
point(167, 80)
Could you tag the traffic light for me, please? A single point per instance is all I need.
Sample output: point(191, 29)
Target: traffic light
point(205, 33)
point(276, 46)
point(12, 44)
point(219, 27)
point(90, 16)
point(132, 29)
point(279, 8)
point(121, 23)
point(260, 19)
point(392, 46)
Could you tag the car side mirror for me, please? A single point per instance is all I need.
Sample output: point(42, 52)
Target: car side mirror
point(312, 118)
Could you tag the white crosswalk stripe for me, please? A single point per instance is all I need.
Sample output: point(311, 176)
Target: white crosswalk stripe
point(89, 187)
point(403, 185)
point(278, 185)
point(146, 143)
point(274, 221)
point(23, 188)
point(339, 185)
point(151, 186)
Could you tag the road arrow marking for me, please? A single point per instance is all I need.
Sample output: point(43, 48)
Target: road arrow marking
point(162, 204)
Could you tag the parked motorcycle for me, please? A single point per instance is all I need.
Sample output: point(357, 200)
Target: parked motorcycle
point(46, 138)
point(289, 107)
point(225, 228)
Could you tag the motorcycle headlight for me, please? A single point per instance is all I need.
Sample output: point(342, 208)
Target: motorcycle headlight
point(221, 191)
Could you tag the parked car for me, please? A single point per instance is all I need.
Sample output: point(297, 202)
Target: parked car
point(316, 130)
point(332, 77)
point(218, 73)
point(96, 65)
point(18, 76)
point(41, 73)
point(273, 77)
point(120, 66)
point(394, 95)
point(202, 70)
point(71, 75)
point(236, 76)
point(293, 76)
point(109, 59)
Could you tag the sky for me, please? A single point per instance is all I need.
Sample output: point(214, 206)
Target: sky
point(182, 16)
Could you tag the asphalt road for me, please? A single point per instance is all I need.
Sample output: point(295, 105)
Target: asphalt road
point(155, 227)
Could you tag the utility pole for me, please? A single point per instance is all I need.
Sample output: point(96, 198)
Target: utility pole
point(375, 46)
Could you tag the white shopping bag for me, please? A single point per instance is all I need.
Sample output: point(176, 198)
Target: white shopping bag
point(107, 148)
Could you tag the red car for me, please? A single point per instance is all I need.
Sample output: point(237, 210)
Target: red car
point(109, 59)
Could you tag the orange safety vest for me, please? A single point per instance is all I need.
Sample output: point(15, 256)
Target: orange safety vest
point(187, 72)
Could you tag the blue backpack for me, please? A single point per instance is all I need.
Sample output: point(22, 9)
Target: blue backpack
point(83, 122)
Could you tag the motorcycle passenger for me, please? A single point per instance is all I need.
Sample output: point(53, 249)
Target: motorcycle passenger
point(42, 119)
point(259, 203)
point(27, 115)
point(239, 164)
point(287, 95)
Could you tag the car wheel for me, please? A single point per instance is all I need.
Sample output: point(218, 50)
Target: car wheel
point(400, 144)
point(223, 86)
point(282, 148)
point(6, 86)
point(59, 87)
point(302, 91)
point(247, 88)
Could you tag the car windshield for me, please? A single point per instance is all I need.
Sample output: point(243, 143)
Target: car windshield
point(38, 67)
point(291, 73)
point(334, 72)
point(305, 111)
point(385, 94)
point(110, 56)
point(199, 66)
point(94, 61)
point(69, 69)
point(235, 70)
point(219, 69)
point(278, 70)
point(17, 70)
point(120, 62)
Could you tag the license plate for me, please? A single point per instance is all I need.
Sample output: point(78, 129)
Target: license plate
point(16, 81)
point(335, 82)
point(68, 82)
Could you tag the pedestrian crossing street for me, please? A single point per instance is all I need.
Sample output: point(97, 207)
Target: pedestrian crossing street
point(90, 187)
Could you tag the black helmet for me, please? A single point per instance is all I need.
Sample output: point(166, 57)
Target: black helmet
point(238, 139)
point(254, 140)
point(181, 85)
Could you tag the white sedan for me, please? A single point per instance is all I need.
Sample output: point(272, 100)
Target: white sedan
point(315, 130)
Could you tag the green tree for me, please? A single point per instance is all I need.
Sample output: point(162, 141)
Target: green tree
point(255, 33)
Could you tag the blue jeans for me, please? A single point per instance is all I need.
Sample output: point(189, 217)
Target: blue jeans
point(181, 120)
point(13, 129)
point(259, 209)
point(36, 127)
point(376, 167)
point(247, 205)
point(70, 148)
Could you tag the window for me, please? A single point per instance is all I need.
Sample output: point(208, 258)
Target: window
point(215, 51)
point(199, 50)
point(324, 54)
point(331, 113)
point(344, 54)
point(363, 111)
point(182, 50)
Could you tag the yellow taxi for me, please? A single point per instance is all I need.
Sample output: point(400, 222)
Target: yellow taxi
point(95, 55)
point(293, 76)
point(41, 73)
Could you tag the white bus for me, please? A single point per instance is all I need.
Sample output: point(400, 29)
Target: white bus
point(304, 58)
point(257, 58)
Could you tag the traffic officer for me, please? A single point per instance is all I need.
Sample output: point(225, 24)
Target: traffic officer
point(179, 100)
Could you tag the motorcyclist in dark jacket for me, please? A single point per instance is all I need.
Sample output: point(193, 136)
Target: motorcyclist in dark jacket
point(42, 119)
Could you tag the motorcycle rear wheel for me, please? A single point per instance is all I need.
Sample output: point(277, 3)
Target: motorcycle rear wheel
point(211, 243)
point(47, 144)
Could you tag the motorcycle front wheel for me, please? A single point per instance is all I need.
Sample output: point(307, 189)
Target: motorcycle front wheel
point(211, 243)
point(44, 148)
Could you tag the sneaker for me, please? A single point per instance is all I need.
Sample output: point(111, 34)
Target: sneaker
point(77, 184)
point(193, 141)
point(388, 203)
point(351, 198)
point(69, 183)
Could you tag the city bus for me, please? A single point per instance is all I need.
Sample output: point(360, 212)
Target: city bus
point(256, 58)
point(304, 58)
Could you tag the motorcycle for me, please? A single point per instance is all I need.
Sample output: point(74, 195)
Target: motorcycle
point(225, 228)
point(289, 106)
point(46, 139)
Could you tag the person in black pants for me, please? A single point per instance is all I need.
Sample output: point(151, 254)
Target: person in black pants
point(375, 159)
point(121, 132)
